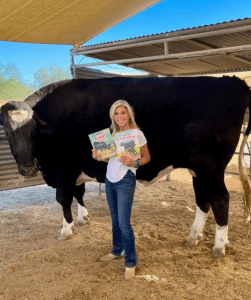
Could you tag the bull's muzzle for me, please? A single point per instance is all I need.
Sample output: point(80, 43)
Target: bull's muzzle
point(30, 171)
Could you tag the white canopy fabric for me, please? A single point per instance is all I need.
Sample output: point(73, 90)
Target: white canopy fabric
point(63, 22)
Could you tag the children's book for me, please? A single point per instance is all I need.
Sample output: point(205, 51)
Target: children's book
point(127, 143)
point(103, 143)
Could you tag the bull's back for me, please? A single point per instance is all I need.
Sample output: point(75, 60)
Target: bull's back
point(173, 108)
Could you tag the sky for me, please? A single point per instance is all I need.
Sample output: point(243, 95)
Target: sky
point(165, 16)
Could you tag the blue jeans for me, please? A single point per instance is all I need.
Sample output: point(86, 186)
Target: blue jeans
point(120, 198)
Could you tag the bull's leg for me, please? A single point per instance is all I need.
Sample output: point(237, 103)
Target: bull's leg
point(64, 196)
point(220, 206)
point(83, 215)
point(196, 231)
point(211, 191)
point(202, 209)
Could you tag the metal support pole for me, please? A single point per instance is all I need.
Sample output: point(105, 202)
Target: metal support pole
point(166, 48)
point(73, 67)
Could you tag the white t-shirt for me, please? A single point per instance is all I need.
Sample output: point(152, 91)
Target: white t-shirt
point(115, 169)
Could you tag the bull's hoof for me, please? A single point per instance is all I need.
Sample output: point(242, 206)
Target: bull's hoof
point(191, 242)
point(85, 220)
point(200, 237)
point(63, 237)
point(80, 222)
point(66, 234)
point(218, 252)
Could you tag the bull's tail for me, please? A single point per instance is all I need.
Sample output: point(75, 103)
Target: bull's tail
point(243, 175)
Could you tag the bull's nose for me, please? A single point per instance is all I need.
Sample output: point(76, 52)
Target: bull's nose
point(29, 171)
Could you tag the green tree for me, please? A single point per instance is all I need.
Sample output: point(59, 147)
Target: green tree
point(11, 83)
point(10, 72)
point(12, 89)
point(45, 76)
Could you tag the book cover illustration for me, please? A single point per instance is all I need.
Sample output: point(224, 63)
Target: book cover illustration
point(103, 143)
point(127, 143)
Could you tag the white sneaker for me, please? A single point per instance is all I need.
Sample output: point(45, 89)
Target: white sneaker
point(108, 257)
point(129, 273)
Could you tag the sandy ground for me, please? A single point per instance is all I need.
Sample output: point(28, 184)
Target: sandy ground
point(35, 265)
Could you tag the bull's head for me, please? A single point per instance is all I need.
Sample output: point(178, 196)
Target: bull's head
point(21, 124)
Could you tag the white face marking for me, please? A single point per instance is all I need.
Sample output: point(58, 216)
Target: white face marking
point(159, 176)
point(192, 173)
point(221, 238)
point(84, 178)
point(196, 231)
point(18, 115)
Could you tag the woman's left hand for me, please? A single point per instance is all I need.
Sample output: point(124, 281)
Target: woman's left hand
point(126, 160)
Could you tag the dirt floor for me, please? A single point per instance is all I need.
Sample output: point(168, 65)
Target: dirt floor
point(35, 265)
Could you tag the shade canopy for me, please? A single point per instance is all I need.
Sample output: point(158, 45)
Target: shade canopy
point(63, 22)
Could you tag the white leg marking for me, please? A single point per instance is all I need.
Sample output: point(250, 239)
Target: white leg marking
point(160, 175)
point(221, 240)
point(192, 173)
point(83, 216)
point(66, 232)
point(84, 178)
point(196, 231)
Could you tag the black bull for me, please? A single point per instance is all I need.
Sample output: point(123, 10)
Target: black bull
point(192, 123)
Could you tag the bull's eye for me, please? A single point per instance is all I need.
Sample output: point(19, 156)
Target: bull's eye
point(7, 134)
point(34, 132)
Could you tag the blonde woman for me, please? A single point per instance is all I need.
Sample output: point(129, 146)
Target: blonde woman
point(120, 187)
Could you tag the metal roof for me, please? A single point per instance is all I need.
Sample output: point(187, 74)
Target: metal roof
point(218, 48)
point(62, 21)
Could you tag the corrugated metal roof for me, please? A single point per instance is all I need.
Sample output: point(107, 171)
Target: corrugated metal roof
point(62, 21)
point(166, 32)
point(217, 48)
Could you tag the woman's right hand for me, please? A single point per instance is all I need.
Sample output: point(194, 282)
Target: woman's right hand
point(96, 155)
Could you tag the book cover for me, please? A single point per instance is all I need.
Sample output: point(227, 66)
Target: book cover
point(127, 143)
point(103, 143)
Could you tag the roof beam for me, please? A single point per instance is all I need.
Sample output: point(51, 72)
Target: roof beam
point(193, 54)
point(169, 61)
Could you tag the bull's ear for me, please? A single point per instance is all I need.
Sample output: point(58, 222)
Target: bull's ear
point(43, 127)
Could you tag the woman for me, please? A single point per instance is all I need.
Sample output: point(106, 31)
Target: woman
point(120, 187)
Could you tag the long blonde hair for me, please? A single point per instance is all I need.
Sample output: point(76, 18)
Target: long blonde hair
point(114, 126)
